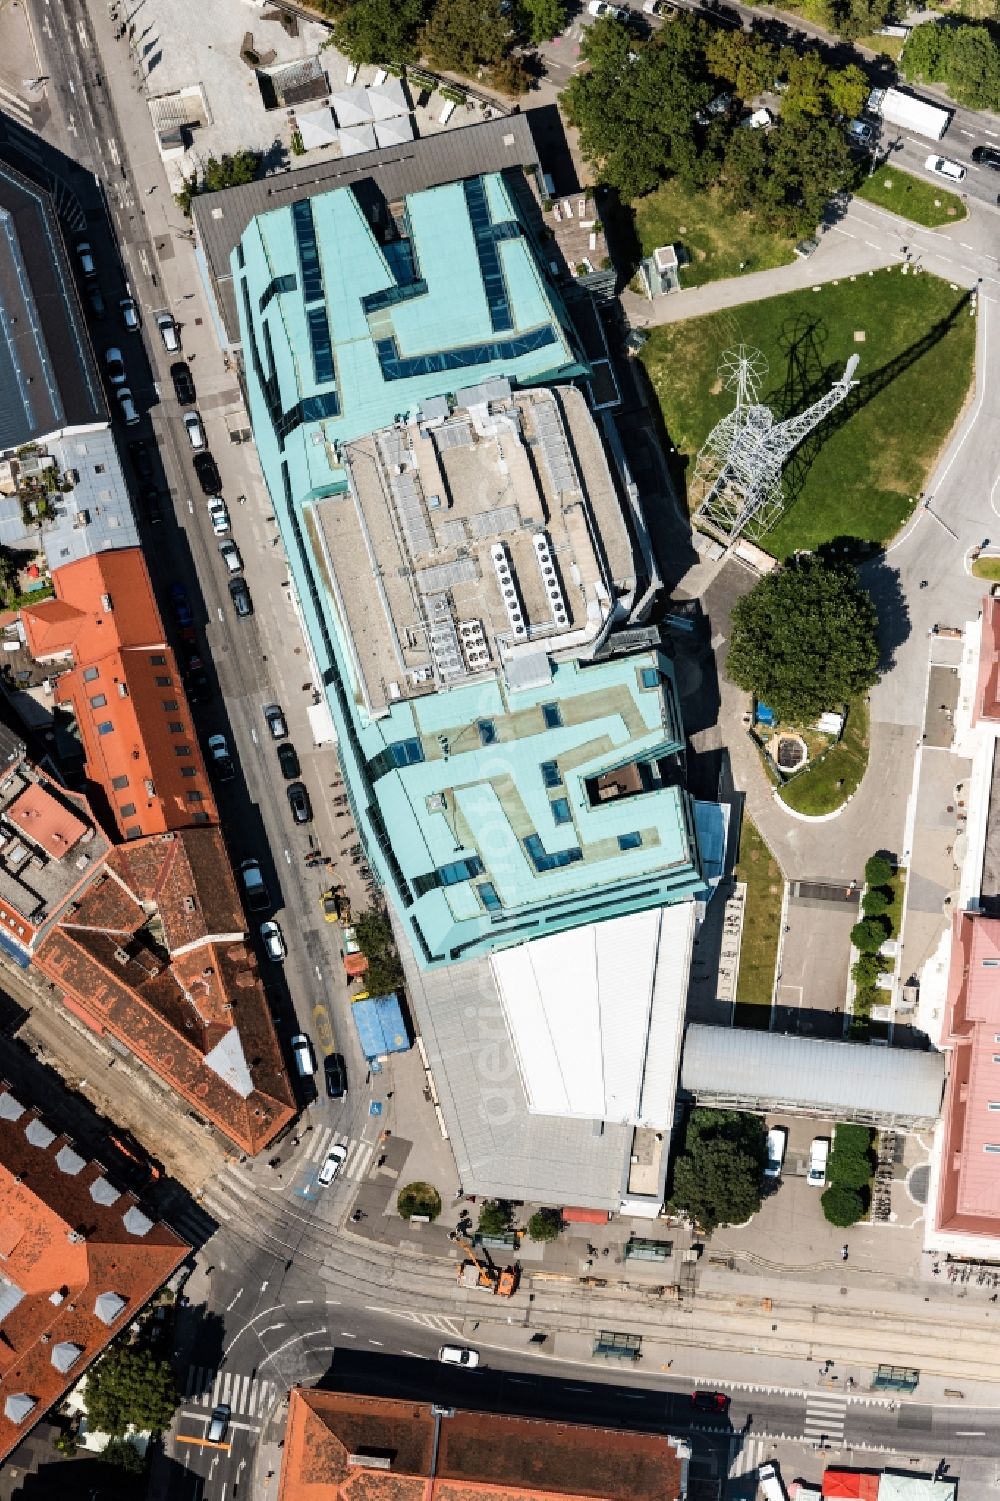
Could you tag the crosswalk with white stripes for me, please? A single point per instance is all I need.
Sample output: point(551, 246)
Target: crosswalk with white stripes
point(825, 1416)
point(246, 1396)
point(359, 1153)
point(746, 1454)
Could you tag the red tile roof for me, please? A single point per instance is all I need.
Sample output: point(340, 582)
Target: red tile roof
point(68, 1238)
point(155, 953)
point(126, 692)
point(45, 821)
point(850, 1485)
point(480, 1457)
point(969, 1184)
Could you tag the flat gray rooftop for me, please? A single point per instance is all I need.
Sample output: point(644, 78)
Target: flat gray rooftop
point(430, 504)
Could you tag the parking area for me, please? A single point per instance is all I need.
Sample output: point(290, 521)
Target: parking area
point(791, 1233)
point(815, 959)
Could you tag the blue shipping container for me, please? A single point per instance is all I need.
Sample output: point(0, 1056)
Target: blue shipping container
point(380, 1024)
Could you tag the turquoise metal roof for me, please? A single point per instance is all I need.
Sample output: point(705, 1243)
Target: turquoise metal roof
point(477, 805)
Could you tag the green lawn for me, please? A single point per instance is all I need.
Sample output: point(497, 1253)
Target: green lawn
point(987, 568)
point(716, 240)
point(761, 919)
point(891, 46)
point(823, 787)
point(912, 197)
point(857, 474)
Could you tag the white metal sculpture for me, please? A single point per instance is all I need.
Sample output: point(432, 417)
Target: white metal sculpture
point(737, 479)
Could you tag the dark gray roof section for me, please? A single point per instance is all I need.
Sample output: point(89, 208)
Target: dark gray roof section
point(48, 378)
point(448, 156)
point(773, 1071)
point(12, 751)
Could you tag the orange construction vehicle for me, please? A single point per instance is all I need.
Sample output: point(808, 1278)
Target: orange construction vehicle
point(475, 1273)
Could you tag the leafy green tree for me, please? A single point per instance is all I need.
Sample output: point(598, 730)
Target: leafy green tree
point(418, 1198)
point(807, 92)
point(545, 1225)
point(494, 1217)
point(810, 165)
point(866, 969)
point(231, 170)
point(842, 1206)
point(878, 870)
point(857, 18)
point(127, 1386)
point(972, 68)
point(869, 935)
point(542, 19)
point(378, 31)
point(745, 60)
point(847, 89)
point(876, 901)
point(512, 74)
point(463, 36)
point(123, 1454)
point(717, 1175)
point(925, 52)
point(635, 104)
point(846, 1171)
point(804, 638)
point(746, 169)
point(374, 934)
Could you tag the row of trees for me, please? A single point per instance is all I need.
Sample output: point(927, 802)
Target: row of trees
point(640, 111)
point(849, 18)
point(964, 55)
point(473, 37)
point(848, 1172)
point(496, 1217)
point(805, 639)
point(868, 935)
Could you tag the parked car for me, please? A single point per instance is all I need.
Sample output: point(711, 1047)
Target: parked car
point(298, 801)
point(230, 555)
point(602, 10)
point(142, 463)
point(130, 314)
point(986, 156)
point(168, 333)
point(818, 1154)
point(198, 685)
point(218, 750)
point(240, 596)
point(218, 514)
point(183, 381)
point(288, 760)
point(459, 1355)
point(943, 167)
point(254, 886)
point(207, 471)
point(770, 1482)
point(128, 407)
point(86, 258)
point(150, 496)
point(273, 940)
point(195, 431)
point(335, 1071)
point(95, 298)
point(275, 721)
point(709, 1401)
point(777, 1140)
point(218, 1423)
point(335, 1159)
point(302, 1052)
point(180, 605)
point(114, 365)
point(861, 133)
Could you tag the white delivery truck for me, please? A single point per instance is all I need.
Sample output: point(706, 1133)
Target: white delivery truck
point(897, 108)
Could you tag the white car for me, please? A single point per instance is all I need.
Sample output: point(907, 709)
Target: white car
point(127, 405)
point(335, 1160)
point(458, 1355)
point(86, 255)
point(273, 940)
point(115, 366)
point(777, 1140)
point(230, 555)
point(168, 333)
point(818, 1154)
point(218, 514)
point(945, 168)
point(195, 431)
point(600, 9)
point(130, 314)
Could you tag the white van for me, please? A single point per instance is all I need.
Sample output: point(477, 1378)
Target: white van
point(195, 431)
point(303, 1054)
point(230, 554)
point(770, 1481)
point(818, 1154)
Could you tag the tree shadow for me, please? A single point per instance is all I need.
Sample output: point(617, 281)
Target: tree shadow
point(882, 582)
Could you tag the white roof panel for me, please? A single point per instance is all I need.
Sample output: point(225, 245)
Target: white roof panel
point(356, 139)
point(595, 1015)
